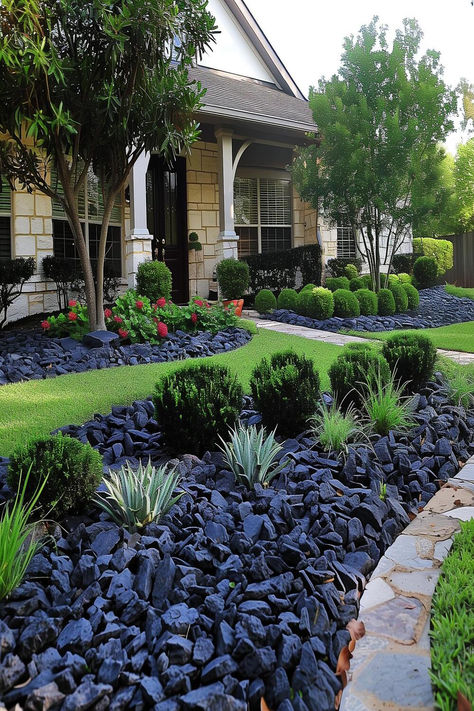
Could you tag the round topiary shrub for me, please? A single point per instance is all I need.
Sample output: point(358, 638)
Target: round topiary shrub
point(285, 390)
point(386, 303)
point(302, 304)
point(357, 283)
point(335, 283)
point(351, 371)
point(308, 287)
point(72, 471)
point(424, 272)
point(287, 299)
point(194, 405)
point(412, 357)
point(154, 280)
point(400, 296)
point(412, 295)
point(404, 278)
point(265, 301)
point(367, 302)
point(367, 281)
point(351, 271)
point(321, 303)
point(346, 304)
point(233, 278)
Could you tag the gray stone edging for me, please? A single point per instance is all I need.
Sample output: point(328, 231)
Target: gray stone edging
point(389, 667)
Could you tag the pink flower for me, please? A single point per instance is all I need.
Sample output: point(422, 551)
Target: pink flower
point(122, 333)
point(45, 325)
point(139, 304)
point(161, 302)
point(72, 302)
point(107, 313)
point(162, 329)
point(194, 317)
point(198, 302)
point(117, 319)
point(72, 316)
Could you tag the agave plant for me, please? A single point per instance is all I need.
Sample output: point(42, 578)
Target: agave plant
point(136, 497)
point(251, 454)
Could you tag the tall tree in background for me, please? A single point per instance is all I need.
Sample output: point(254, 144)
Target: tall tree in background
point(380, 122)
point(464, 184)
point(93, 84)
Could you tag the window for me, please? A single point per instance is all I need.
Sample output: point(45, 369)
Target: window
point(262, 208)
point(346, 246)
point(5, 220)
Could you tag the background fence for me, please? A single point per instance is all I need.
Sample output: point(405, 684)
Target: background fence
point(462, 273)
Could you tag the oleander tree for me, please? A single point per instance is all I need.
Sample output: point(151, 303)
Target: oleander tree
point(90, 85)
point(380, 119)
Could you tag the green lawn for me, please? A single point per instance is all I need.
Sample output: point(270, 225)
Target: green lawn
point(460, 291)
point(457, 337)
point(36, 407)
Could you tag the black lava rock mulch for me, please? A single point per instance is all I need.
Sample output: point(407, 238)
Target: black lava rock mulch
point(31, 355)
point(236, 594)
point(437, 308)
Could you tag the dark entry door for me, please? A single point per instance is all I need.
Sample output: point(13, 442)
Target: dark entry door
point(166, 212)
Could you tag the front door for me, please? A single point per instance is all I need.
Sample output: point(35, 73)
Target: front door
point(166, 216)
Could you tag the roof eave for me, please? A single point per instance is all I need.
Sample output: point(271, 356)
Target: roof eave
point(259, 119)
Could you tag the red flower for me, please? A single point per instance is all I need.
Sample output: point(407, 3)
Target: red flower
point(72, 302)
point(161, 302)
point(208, 305)
point(72, 316)
point(162, 329)
point(194, 317)
point(117, 319)
point(139, 304)
point(45, 325)
point(198, 302)
point(122, 333)
point(107, 313)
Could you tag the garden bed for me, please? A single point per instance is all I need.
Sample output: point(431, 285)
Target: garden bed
point(235, 595)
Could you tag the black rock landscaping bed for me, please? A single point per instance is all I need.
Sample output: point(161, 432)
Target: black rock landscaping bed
point(236, 594)
point(31, 355)
point(436, 308)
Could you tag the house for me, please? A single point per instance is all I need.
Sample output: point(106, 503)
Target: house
point(233, 190)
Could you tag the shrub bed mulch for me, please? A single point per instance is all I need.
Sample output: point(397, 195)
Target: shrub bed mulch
point(30, 355)
point(436, 308)
point(235, 595)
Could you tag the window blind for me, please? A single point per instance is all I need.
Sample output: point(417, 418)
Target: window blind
point(5, 198)
point(275, 202)
point(245, 201)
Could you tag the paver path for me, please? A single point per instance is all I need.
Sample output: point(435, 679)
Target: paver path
point(338, 339)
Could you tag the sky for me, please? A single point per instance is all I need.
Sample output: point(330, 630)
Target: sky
point(308, 34)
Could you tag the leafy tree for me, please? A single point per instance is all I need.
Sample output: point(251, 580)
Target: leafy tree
point(464, 182)
point(93, 84)
point(436, 192)
point(380, 121)
point(467, 96)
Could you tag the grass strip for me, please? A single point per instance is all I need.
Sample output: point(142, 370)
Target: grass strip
point(460, 291)
point(456, 337)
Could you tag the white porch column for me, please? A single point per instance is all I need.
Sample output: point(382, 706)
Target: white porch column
point(227, 239)
point(138, 241)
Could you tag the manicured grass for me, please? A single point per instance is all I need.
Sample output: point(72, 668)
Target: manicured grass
point(460, 291)
point(452, 625)
point(457, 337)
point(34, 408)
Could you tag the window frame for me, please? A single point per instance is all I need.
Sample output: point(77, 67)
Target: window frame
point(344, 226)
point(6, 217)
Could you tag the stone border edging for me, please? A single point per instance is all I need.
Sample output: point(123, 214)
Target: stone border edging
point(389, 667)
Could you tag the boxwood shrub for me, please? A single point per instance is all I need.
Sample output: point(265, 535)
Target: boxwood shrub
point(287, 299)
point(303, 301)
point(351, 271)
point(404, 278)
point(440, 250)
point(400, 296)
point(346, 304)
point(321, 304)
point(334, 283)
point(403, 263)
point(308, 287)
point(412, 295)
point(352, 369)
point(412, 357)
point(367, 281)
point(285, 390)
point(367, 302)
point(357, 283)
point(233, 278)
point(336, 267)
point(386, 303)
point(424, 273)
point(265, 301)
point(154, 280)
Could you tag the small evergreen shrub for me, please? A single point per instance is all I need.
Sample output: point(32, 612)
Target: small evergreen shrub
point(412, 295)
point(335, 283)
point(349, 373)
point(367, 281)
point(400, 297)
point(351, 271)
point(357, 283)
point(233, 278)
point(72, 470)
point(346, 304)
point(386, 303)
point(303, 302)
point(336, 267)
point(404, 278)
point(321, 303)
point(154, 280)
point(440, 250)
point(412, 357)
point(367, 302)
point(403, 263)
point(287, 299)
point(308, 287)
point(14, 273)
point(194, 405)
point(424, 272)
point(265, 301)
point(285, 390)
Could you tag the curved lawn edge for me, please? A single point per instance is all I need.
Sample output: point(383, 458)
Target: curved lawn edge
point(456, 337)
point(36, 407)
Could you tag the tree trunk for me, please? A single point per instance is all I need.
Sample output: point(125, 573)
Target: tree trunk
point(101, 261)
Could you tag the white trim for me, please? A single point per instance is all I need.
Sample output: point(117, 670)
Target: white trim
point(247, 116)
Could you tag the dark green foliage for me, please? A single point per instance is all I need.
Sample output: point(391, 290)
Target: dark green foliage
point(278, 270)
point(441, 250)
point(265, 301)
point(351, 370)
point(233, 278)
point(13, 275)
point(59, 270)
point(154, 280)
point(403, 263)
point(412, 295)
point(346, 304)
point(425, 272)
point(367, 281)
point(351, 271)
point(367, 302)
point(337, 266)
point(334, 283)
point(321, 303)
point(285, 390)
point(303, 303)
point(400, 296)
point(73, 471)
point(308, 287)
point(357, 283)
point(287, 299)
point(386, 303)
point(194, 405)
point(412, 357)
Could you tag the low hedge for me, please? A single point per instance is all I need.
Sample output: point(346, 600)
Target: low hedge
point(357, 283)
point(281, 270)
point(334, 283)
point(441, 250)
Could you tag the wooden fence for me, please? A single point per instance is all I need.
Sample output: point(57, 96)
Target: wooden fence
point(462, 273)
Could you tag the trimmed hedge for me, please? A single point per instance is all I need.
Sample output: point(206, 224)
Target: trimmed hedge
point(302, 304)
point(404, 278)
point(280, 270)
point(334, 283)
point(441, 250)
point(367, 302)
point(412, 357)
point(287, 299)
point(357, 283)
point(346, 304)
point(336, 267)
point(412, 295)
point(424, 272)
point(367, 281)
point(308, 287)
point(321, 304)
point(403, 263)
point(400, 296)
point(265, 301)
point(386, 303)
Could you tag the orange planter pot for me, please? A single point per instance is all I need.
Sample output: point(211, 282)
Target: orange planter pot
point(238, 303)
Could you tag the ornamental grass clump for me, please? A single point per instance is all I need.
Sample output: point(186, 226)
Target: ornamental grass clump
point(252, 455)
point(196, 404)
point(348, 373)
point(412, 357)
point(285, 390)
point(384, 405)
point(335, 430)
point(134, 498)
